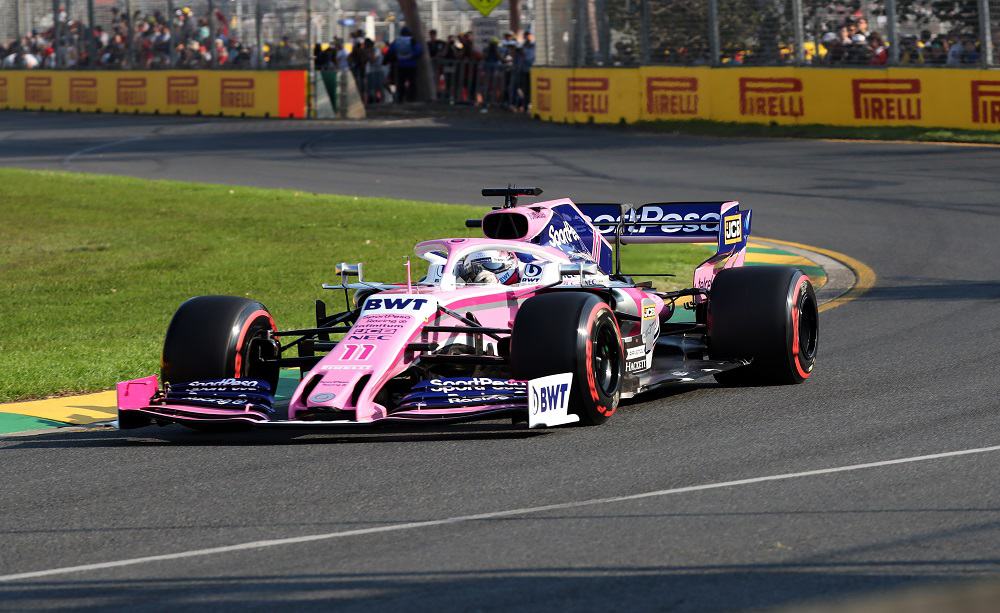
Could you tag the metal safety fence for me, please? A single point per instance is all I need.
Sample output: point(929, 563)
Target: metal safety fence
point(956, 33)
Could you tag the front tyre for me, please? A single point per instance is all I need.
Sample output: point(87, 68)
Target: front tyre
point(218, 337)
point(766, 314)
point(572, 332)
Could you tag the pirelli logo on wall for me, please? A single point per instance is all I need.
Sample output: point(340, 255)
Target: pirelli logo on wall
point(986, 102)
point(83, 90)
point(38, 90)
point(887, 99)
point(237, 93)
point(771, 97)
point(182, 90)
point(588, 95)
point(672, 96)
point(3, 90)
point(543, 94)
point(130, 91)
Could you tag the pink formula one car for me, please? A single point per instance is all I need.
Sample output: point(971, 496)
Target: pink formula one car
point(534, 321)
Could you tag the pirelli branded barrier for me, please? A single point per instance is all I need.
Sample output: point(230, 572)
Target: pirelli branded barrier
point(950, 98)
point(182, 92)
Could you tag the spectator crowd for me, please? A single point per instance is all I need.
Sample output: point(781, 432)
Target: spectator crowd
point(853, 43)
point(462, 73)
point(145, 41)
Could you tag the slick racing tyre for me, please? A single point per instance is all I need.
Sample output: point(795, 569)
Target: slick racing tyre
point(572, 332)
point(217, 337)
point(766, 314)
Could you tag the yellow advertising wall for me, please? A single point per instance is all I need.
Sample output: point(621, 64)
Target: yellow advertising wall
point(187, 92)
point(968, 99)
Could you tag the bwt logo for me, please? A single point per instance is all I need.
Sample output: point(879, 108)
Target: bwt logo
point(672, 95)
point(778, 97)
point(131, 91)
point(543, 94)
point(588, 95)
point(732, 226)
point(550, 398)
point(3, 89)
point(895, 99)
point(182, 90)
point(986, 102)
point(38, 89)
point(83, 90)
point(237, 93)
point(399, 304)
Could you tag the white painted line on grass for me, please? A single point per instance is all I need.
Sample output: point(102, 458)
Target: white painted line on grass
point(478, 517)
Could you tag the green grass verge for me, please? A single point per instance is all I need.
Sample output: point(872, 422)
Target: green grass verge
point(722, 128)
point(93, 267)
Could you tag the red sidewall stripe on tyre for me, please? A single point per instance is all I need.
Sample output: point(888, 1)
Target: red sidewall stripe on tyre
point(243, 333)
point(591, 377)
point(795, 328)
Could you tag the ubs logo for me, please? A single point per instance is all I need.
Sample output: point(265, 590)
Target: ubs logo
point(986, 102)
point(894, 99)
point(3, 89)
point(543, 94)
point(83, 90)
point(777, 97)
point(588, 95)
point(131, 91)
point(182, 90)
point(38, 89)
point(672, 96)
point(237, 93)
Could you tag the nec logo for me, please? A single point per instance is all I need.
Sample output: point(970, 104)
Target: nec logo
point(672, 95)
point(550, 398)
point(732, 229)
point(986, 102)
point(543, 94)
point(778, 97)
point(395, 304)
point(588, 95)
point(894, 99)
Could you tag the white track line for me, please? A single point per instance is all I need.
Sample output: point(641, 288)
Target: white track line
point(69, 159)
point(478, 517)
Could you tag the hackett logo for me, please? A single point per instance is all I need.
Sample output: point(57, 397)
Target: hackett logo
point(83, 90)
point(131, 91)
point(38, 89)
point(237, 93)
point(894, 99)
point(670, 96)
point(777, 97)
point(182, 90)
point(986, 102)
point(543, 93)
point(588, 95)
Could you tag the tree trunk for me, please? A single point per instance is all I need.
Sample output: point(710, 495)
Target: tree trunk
point(515, 17)
point(425, 74)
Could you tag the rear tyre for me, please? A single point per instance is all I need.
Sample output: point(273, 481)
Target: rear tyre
point(571, 332)
point(767, 314)
point(217, 337)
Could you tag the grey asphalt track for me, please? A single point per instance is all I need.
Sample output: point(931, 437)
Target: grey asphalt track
point(908, 369)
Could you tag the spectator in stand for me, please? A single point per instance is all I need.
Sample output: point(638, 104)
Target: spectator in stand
point(435, 46)
point(910, 51)
point(529, 49)
point(954, 51)
point(374, 72)
point(879, 52)
point(404, 52)
point(935, 53)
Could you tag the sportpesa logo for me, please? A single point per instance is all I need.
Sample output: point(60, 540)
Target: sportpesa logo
point(567, 234)
point(702, 222)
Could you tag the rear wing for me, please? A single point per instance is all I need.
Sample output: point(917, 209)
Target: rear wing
point(672, 222)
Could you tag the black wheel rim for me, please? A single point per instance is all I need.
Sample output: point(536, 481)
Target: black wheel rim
point(606, 359)
point(808, 328)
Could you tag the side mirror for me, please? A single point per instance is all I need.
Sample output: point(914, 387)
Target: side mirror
point(579, 269)
point(346, 270)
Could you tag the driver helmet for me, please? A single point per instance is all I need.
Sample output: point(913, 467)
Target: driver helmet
point(500, 264)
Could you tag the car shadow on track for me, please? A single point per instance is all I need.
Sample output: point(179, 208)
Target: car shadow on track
point(177, 435)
